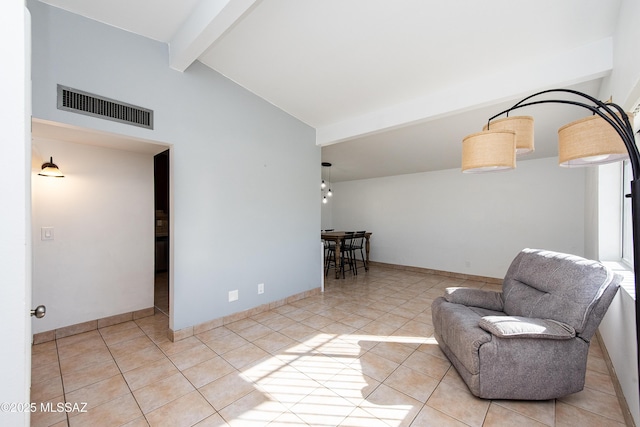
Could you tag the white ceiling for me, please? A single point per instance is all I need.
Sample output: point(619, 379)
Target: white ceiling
point(391, 86)
point(44, 129)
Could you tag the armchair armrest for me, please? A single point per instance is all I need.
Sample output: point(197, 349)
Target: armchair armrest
point(475, 297)
point(526, 327)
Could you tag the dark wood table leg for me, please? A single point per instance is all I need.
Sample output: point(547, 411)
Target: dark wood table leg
point(366, 246)
point(338, 259)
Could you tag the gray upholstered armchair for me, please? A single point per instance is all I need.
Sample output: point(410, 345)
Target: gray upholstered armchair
point(531, 340)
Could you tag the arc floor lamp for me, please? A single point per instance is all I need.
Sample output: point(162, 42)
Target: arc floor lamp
point(606, 136)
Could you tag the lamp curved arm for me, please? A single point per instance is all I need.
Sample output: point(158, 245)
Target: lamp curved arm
point(620, 121)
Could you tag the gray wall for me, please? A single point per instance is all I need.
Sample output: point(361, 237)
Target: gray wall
point(244, 173)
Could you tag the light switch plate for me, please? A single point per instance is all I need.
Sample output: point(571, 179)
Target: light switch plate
point(46, 233)
point(233, 295)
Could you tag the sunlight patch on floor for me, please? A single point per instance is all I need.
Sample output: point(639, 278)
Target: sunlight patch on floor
point(322, 379)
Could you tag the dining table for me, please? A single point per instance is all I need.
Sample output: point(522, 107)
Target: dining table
point(338, 237)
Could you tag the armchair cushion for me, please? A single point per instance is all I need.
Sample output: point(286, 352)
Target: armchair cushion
point(475, 298)
point(526, 327)
point(551, 285)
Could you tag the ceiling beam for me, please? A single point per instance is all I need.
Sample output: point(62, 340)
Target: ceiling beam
point(208, 21)
point(578, 65)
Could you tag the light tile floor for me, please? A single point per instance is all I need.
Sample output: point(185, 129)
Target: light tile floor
point(361, 354)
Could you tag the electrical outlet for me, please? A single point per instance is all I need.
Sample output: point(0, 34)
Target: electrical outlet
point(233, 295)
point(260, 288)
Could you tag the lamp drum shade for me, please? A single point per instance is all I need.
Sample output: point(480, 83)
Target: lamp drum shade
point(589, 141)
point(522, 126)
point(489, 151)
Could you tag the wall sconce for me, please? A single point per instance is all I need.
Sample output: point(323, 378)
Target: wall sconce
point(325, 186)
point(51, 169)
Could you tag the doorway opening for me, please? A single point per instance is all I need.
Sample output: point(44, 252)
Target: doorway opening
point(161, 197)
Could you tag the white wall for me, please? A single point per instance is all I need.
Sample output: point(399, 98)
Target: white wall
point(327, 214)
point(101, 261)
point(618, 329)
point(473, 224)
point(624, 83)
point(618, 332)
point(15, 246)
point(244, 173)
point(604, 231)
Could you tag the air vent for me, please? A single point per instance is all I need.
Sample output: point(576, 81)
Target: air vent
point(89, 104)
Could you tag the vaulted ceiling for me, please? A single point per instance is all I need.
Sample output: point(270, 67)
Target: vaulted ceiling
point(391, 86)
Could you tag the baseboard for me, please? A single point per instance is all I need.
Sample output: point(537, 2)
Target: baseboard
point(221, 321)
point(79, 328)
point(438, 272)
point(626, 413)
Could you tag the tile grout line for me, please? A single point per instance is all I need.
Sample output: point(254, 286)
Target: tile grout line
point(198, 389)
point(181, 373)
point(64, 393)
point(122, 373)
point(170, 361)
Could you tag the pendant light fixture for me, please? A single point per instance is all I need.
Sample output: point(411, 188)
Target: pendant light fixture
point(325, 185)
point(50, 169)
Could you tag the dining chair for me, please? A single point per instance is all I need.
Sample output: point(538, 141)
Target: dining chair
point(356, 243)
point(327, 244)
